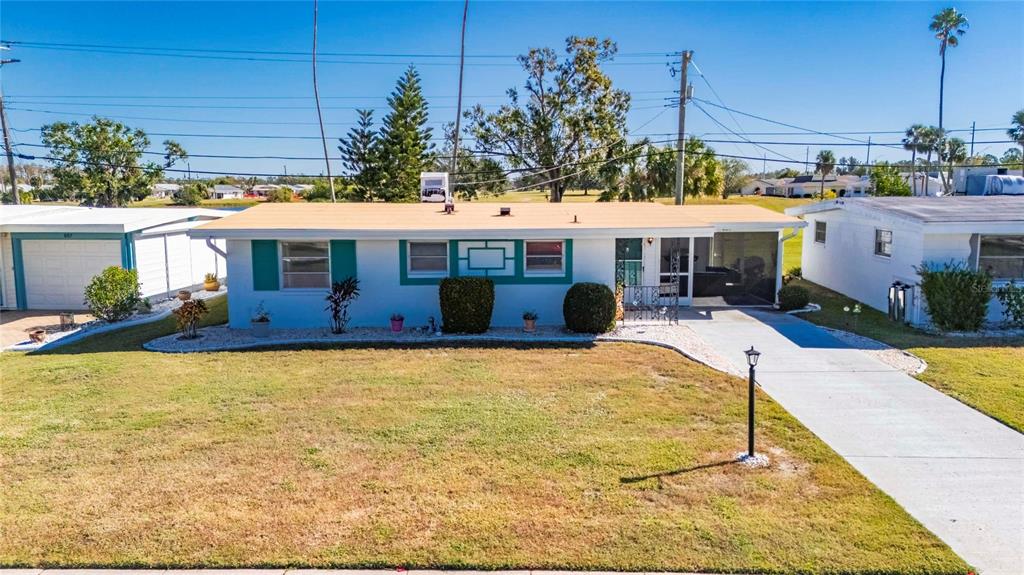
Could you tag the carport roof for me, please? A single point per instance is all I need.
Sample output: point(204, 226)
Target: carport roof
point(76, 219)
point(932, 210)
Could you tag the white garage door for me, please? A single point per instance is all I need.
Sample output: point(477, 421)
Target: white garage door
point(57, 271)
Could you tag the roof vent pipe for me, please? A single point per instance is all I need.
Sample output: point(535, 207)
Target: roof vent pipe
point(504, 211)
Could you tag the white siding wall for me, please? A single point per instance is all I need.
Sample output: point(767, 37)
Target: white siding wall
point(377, 267)
point(186, 264)
point(847, 264)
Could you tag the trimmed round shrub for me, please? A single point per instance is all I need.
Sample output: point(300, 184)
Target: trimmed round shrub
point(793, 297)
point(114, 294)
point(956, 296)
point(466, 304)
point(589, 308)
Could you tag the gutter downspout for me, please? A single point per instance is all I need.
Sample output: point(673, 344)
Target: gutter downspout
point(216, 249)
point(779, 253)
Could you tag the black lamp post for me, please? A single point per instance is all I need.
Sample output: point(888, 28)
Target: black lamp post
point(752, 356)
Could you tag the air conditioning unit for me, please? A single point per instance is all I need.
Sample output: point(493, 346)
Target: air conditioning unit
point(434, 188)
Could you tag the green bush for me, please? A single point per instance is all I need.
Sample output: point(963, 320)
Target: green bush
point(466, 304)
point(280, 195)
point(114, 294)
point(589, 308)
point(957, 297)
point(1011, 296)
point(793, 297)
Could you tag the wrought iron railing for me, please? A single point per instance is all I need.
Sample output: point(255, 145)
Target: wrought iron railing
point(650, 303)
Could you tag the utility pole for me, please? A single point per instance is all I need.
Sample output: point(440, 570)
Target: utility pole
point(867, 160)
point(15, 198)
point(458, 107)
point(681, 136)
point(319, 115)
point(807, 160)
point(972, 139)
point(764, 166)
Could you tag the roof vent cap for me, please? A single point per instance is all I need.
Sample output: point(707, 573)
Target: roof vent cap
point(504, 211)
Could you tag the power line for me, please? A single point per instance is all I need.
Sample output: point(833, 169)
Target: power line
point(747, 140)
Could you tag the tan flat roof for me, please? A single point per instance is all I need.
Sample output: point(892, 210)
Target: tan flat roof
point(399, 220)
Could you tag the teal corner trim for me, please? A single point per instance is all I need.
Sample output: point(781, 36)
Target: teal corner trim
point(128, 251)
point(20, 296)
point(19, 273)
point(343, 260)
point(265, 264)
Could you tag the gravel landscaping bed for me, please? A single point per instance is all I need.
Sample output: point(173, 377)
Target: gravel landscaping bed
point(897, 358)
point(222, 338)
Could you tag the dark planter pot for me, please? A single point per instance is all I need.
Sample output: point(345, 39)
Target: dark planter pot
point(260, 328)
point(396, 325)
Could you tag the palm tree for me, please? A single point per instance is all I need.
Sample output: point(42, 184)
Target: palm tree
point(954, 151)
point(931, 141)
point(913, 140)
point(824, 164)
point(948, 26)
point(1016, 133)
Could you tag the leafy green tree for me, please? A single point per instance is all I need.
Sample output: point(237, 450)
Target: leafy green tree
point(886, 180)
point(479, 175)
point(191, 194)
point(703, 174)
point(280, 195)
point(361, 156)
point(736, 175)
point(569, 115)
point(405, 147)
point(824, 164)
point(1012, 158)
point(1016, 132)
point(949, 25)
point(786, 173)
point(98, 163)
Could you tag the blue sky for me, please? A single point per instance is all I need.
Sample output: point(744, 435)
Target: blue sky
point(826, 66)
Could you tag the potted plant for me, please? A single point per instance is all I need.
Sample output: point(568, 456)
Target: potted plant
point(184, 295)
point(210, 282)
point(260, 322)
point(37, 335)
point(529, 321)
point(397, 320)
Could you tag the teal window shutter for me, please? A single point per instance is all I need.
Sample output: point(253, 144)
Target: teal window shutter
point(343, 259)
point(265, 276)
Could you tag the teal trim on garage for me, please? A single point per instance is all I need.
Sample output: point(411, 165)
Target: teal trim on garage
point(518, 278)
point(20, 295)
point(343, 259)
point(128, 251)
point(265, 262)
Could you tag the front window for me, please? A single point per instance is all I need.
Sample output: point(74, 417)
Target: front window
point(819, 232)
point(1002, 256)
point(428, 259)
point(883, 243)
point(305, 265)
point(545, 258)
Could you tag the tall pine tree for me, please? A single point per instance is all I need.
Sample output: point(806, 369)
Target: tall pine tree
point(361, 156)
point(405, 148)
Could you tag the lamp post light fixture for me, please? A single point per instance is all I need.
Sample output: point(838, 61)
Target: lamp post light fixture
point(752, 356)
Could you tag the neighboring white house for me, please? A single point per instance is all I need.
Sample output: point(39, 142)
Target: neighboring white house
point(860, 246)
point(765, 187)
point(48, 254)
point(226, 192)
point(165, 190)
point(285, 256)
point(928, 184)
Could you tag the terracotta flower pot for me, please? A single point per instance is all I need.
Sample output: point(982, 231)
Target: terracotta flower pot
point(37, 335)
point(184, 295)
point(396, 325)
point(529, 325)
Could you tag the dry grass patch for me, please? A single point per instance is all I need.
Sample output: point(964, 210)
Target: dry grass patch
point(606, 457)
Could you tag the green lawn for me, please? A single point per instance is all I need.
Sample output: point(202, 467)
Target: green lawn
point(987, 374)
point(470, 457)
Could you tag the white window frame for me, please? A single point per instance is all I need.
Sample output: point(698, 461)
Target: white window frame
point(543, 273)
point(426, 274)
point(824, 229)
point(281, 259)
point(892, 237)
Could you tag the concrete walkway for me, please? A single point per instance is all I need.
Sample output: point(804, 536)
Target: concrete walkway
point(957, 471)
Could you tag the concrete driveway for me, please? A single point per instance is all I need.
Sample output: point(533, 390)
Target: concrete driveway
point(15, 325)
point(957, 471)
